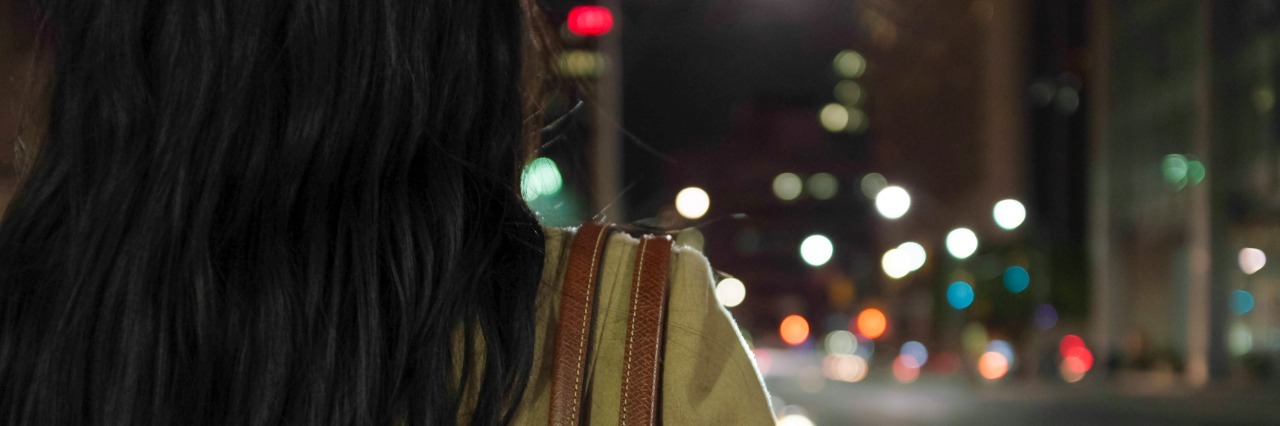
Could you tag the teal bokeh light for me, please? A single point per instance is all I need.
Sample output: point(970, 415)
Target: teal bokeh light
point(1016, 279)
point(1241, 302)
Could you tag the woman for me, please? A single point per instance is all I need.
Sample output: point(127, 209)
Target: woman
point(279, 212)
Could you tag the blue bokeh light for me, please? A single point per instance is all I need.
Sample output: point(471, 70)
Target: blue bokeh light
point(1003, 348)
point(915, 350)
point(1046, 317)
point(960, 295)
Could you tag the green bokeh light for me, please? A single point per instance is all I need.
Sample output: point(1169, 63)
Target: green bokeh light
point(1175, 168)
point(541, 177)
point(1195, 172)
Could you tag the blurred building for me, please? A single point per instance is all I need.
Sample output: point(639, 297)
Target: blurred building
point(1185, 186)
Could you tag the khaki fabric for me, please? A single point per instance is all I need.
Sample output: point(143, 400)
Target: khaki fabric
point(708, 374)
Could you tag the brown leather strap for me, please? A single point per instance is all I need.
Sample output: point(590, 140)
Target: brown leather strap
point(641, 369)
point(573, 333)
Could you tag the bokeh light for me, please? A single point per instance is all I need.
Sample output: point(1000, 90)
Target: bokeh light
point(691, 237)
point(872, 184)
point(993, 365)
point(834, 117)
point(787, 186)
point(848, 92)
point(1174, 168)
point(1240, 339)
point(1241, 302)
point(731, 292)
point(962, 243)
point(845, 368)
point(906, 369)
point(1009, 214)
point(857, 121)
point(1003, 348)
point(893, 202)
point(1195, 172)
point(1069, 342)
point(849, 64)
point(581, 63)
point(895, 264)
point(816, 250)
point(916, 351)
point(795, 420)
point(1016, 279)
point(841, 342)
point(960, 295)
point(1079, 358)
point(913, 254)
point(1045, 317)
point(541, 177)
point(872, 323)
point(794, 330)
point(823, 186)
point(692, 202)
point(589, 21)
point(1072, 370)
point(1252, 260)
point(974, 338)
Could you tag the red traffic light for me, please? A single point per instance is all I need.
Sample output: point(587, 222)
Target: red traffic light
point(590, 21)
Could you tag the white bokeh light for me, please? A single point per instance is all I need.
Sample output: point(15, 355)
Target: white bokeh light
point(1252, 260)
point(693, 202)
point(841, 342)
point(795, 420)
point(816, 250)
point(823, 186)
point(1009, 214)
point(834, 117)
point(872, 184)
point(913, 253)
point(895, 264)
point(731, 292)
point(787, 186)
point(845, 368)
point(962, 243)
point(893, 202)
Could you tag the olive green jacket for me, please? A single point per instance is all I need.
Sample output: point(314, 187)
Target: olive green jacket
point(708, 374)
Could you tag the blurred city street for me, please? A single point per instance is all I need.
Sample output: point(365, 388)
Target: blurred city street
point(949, 401)
point(955, 212)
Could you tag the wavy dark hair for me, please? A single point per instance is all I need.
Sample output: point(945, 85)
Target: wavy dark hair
point(274, 212)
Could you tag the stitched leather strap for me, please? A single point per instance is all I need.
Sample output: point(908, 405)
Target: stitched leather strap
point(573, 333)
point(642, 366)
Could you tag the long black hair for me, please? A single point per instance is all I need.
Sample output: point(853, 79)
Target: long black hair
point(273, 212)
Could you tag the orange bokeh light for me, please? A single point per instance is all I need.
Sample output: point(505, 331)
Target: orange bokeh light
point(871, 323)
point(992, 365)
point(794, 330)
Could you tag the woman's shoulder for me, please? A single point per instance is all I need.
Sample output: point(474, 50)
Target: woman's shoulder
point(620, 247)
point(704, 348)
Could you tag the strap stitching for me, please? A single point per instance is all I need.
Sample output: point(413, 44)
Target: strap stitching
point(635, 299)
point(582, 333)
